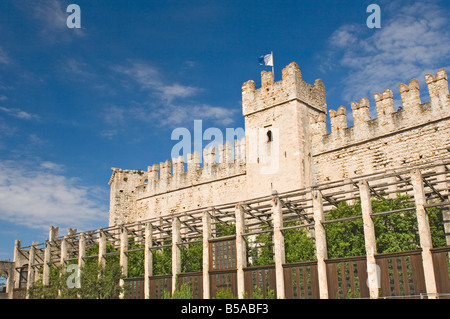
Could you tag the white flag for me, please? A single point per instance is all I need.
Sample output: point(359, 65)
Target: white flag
point(266, 59)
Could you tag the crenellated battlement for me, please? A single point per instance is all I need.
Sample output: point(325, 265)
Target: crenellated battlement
point(125, 175)
point(291, 87)
point(288, 120)
point(412, 113)
point(218, 163)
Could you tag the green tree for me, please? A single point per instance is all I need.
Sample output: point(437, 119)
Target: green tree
point(261, 250)
point(192, 257)
point(136, 260)
point(224, 293)
point(257, 293)
point(97, 282)
point(399, 231)
point(394, 232)
point(182, 292)
point(345, 238)
point(162, 260)
point(299, 246)
point(223, 230)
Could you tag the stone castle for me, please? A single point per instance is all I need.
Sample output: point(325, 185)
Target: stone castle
point(289, 117)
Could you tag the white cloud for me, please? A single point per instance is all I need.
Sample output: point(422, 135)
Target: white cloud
point(6, 129)
point(150, 79)
point(145, 75)
point(176, 115)
point(344, 37)
point(115, 115)
point(38, 196)
point(76, 67)
point(413, 40)
point(52, 13)
point(190, 64)
point(109, 134)
point(17, 113)
point(169, 115)
point(52, 166)
point(52, 17)
point(170, 92)
point(4, 58)
point(163, 107)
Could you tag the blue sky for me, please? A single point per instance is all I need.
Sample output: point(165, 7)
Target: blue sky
point(76, 102)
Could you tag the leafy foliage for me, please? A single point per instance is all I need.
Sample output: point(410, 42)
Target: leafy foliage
point(299, 246)
point(345, 238)
point(257, 293)
point(136, 260)
point(225, 230)
point(261, 250)
point(182, 292)
point(394, 232)
point(192, 257)
point(96, 283)
point(162, 260)
point(224, 293)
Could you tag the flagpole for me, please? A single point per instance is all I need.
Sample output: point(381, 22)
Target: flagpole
point(273, 72)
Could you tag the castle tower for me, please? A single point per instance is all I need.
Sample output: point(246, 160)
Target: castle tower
point(122, 201)
point(278, 132)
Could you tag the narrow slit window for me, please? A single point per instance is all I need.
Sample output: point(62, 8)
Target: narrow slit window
point(269, 136)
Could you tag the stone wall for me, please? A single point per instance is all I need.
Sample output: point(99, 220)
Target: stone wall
point(294, 114)
point(168, 187)
point(216, 192)
point(416, 133)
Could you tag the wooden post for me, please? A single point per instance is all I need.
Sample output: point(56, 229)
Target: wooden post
point(424, 233)
point(444, 190)
point(31, 261)
point(10, 281)
point(206, 226)
point(46, 266)
point(241, 254)
point(321, 243)
point(278, 243)
point(123, 255)
point(392, 186)
point(52, 236)
point(369, 239)
point(148, 263)
point(81, 250)
point(63, 256)
point(101, 248)
point(176, 253)
point(348, 188)
point(123, 250)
